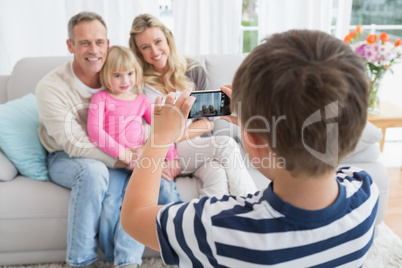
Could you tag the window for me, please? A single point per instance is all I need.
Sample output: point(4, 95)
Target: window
point(375, 15)
point(378, 16)
point(166, 13)
point(249, 25)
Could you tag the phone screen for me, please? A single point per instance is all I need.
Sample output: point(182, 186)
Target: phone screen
point(210, 103)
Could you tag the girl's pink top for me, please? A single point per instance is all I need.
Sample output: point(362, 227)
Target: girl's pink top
point(115, 124)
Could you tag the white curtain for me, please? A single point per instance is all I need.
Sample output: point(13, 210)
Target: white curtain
point(39, 28)
point(207, 26)
point(343, 18)
point(278, 16)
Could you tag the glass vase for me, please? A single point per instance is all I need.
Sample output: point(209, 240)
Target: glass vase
point(374, 100)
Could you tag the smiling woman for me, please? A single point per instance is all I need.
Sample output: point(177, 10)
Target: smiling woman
point(165, 71)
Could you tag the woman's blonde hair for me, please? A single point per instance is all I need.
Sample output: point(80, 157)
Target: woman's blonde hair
point(175, 78)
point(119, 59)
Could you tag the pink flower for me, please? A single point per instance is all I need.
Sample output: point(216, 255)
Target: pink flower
point(361, 50)
point(379, 54)
point(371, 53)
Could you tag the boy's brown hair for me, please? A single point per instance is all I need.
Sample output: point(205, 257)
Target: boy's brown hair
point(119, 59)
point(312, 89)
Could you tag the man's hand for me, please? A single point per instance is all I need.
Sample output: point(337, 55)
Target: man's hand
point(227, 89)
point(130, 156)
point(119, 164)
point(169, 120)
point(171, 169)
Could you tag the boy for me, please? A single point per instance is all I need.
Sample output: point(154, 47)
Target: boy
point(312, 88)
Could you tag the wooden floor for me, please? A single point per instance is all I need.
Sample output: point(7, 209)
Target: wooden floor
point(393, 216)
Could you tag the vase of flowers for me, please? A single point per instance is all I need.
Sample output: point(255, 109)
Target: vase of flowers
point(374, 100)
point(378, 54)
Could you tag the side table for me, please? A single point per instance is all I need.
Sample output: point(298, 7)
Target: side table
point(390, 116)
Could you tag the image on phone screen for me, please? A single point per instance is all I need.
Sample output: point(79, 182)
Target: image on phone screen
point(210, 103)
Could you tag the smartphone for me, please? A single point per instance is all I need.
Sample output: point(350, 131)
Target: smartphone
point(209, 103)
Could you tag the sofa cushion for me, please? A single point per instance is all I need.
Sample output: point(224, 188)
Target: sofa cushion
point(220, 69)
point(371, 134)
point(368, 154)
point(8, 170)
point(20, 84)
point(33, 216)
point(19, 138)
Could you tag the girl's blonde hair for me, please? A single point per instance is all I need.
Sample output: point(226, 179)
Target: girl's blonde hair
point(120, 59)
point(175, 78)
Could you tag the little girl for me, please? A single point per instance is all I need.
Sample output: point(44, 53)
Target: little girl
point(115, 116)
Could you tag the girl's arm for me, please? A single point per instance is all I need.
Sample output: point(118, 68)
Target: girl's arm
point(96, 131)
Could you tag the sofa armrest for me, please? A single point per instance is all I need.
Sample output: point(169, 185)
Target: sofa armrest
point(3, 88)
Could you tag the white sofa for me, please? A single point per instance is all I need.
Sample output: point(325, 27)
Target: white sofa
point(33, 214)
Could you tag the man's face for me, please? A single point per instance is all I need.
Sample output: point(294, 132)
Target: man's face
point(89, 47)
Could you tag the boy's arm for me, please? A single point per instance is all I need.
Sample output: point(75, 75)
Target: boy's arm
point(140, 204)
point(140, 208)
point(172, 167)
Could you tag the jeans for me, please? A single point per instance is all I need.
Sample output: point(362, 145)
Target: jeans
point(94, 210)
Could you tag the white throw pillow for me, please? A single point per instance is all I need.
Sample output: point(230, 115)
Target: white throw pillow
point(7, 170)
point(371, 134)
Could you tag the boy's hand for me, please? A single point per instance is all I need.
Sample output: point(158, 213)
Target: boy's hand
point(227, 89)
point(169, 120)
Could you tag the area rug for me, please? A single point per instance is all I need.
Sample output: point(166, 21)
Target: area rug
point(386, 251)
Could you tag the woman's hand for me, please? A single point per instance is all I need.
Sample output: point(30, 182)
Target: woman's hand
point(227, 89)
point(171, 169)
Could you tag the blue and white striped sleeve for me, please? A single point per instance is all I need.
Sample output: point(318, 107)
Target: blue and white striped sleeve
point(182, 234)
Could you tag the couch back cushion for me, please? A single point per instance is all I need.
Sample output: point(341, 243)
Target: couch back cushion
point(28, 71)
point(221, 68)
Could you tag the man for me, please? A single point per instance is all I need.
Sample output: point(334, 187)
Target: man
point(97, 188)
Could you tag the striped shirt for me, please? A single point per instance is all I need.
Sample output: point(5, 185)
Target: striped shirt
point(261, 230)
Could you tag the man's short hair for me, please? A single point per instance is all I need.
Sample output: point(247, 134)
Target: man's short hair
point(312, 89)
point(80, 17)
